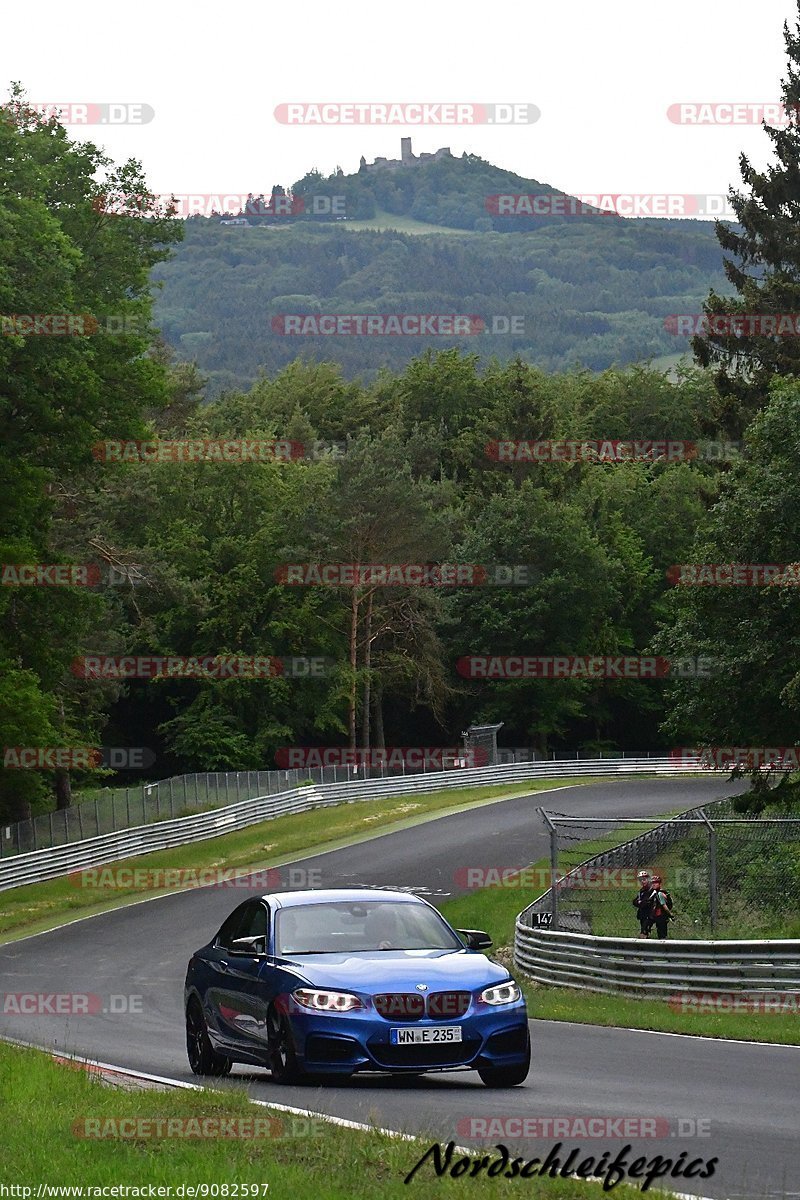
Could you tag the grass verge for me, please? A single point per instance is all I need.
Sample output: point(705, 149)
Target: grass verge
point(39, 906)
point(385, 221)
point(47, 1109)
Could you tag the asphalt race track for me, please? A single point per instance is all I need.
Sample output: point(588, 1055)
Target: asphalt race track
point(746, 1094)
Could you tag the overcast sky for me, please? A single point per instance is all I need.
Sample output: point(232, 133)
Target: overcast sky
point(603, 76)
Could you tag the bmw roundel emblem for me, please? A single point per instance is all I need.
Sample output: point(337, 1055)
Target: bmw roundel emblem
point(422, 987)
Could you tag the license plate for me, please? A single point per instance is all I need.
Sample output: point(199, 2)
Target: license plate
point(413, 1037)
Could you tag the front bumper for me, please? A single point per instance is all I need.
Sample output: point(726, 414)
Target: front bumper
point(359, 1041)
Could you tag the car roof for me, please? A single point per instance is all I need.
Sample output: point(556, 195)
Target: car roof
point(340, 895)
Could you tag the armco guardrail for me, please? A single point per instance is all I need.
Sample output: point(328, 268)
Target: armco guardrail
point(661, 969)
point(111, 809)
point(61, 860)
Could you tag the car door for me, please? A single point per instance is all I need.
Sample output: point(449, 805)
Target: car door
point(236, 999)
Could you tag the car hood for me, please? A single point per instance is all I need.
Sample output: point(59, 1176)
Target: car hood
point(398, 970)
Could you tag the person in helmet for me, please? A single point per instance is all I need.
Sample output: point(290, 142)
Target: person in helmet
point(643, 903)
point(661, 907)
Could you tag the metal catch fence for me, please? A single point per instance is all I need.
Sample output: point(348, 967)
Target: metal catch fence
point(723, 873)
point(109, 810)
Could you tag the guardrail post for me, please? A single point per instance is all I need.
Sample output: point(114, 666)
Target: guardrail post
point(553, 870)
point(713, 891)
point(712, 869)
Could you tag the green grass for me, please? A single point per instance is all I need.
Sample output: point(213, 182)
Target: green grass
point(38, 906)
point(383, 221)
point(43, 1103)
point(593, 1008)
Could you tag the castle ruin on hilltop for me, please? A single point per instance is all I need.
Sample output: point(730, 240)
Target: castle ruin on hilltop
point(407, 158)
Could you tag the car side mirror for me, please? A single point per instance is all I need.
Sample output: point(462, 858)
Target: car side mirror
point(476, 939)
point(249, 945)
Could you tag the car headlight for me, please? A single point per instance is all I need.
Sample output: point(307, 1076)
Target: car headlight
point(327, 1001)
point(501, 993)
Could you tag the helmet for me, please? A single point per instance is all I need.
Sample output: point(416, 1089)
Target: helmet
point(642, 876)
point(656, 879)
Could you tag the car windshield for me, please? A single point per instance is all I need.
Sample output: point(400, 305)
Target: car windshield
point(349, 927)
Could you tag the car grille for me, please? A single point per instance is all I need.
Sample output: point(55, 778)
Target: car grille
point(429, 1055)
point(411, 1006)
point(443, 1006)
point(400, 1006)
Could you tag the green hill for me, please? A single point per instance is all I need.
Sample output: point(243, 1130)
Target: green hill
point(558, 292)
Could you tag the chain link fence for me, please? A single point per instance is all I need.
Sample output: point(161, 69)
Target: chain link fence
point(108, 810)
point(728, 876)
point(112, 809)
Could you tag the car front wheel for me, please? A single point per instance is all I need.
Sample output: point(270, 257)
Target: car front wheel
point(282, 1057)
point(203, 1058)
point(502, 1077)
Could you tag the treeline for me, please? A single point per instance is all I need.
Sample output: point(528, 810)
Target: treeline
point(590, 293)
point(394, 472)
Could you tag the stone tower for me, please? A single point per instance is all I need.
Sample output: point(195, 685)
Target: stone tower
point(406, 155)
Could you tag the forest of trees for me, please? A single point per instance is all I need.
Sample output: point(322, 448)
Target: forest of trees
point(397, 466)
point(588, 292)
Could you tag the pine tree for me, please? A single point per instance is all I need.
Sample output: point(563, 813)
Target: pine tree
point(764, 270)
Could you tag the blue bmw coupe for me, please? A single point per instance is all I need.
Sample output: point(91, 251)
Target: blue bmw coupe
point(339, 981)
